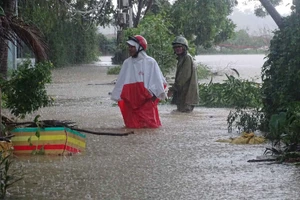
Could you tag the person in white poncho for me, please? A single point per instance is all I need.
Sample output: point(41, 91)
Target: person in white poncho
point(139, 87)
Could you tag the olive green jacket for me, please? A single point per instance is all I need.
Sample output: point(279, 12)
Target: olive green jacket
point(185, 89)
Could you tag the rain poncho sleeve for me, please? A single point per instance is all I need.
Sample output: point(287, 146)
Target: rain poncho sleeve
point(140, 79)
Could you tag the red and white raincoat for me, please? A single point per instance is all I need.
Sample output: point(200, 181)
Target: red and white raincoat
point(139, 80)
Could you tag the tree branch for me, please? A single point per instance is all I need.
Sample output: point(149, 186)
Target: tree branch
point(273, 12)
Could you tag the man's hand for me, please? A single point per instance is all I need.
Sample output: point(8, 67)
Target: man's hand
point(170, 93)
point(153, 98)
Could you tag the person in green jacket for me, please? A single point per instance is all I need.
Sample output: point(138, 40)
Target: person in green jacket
point(184, 91)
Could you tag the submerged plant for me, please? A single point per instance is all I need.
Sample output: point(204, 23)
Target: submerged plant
point(25, 92)
point(233, 92)
point(203, 71)
point(245, 120)
point(114, 70)
point(7, 178)
point(284, 128)
point(242, 95)
point(37, 151)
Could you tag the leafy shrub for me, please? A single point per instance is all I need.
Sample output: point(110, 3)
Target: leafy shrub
point(7, 178)
point(245, 120)
point(284, 128)
point(233, 92)
point(114, 70)
point(25, 92)
point(281, 72)
point(203, 71)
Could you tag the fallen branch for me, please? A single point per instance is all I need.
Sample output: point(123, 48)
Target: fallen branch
point(263, 160)
point(104, 133)
point(6, 138)
point(67, 124)
point(43, 123)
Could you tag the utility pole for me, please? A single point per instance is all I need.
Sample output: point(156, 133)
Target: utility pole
point(130, 25)
point(123, 21)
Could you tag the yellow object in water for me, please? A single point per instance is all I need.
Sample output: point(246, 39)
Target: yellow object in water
point(246, 138)
point(6, 148)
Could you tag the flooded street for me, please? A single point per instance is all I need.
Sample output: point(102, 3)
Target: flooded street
point(179, 161)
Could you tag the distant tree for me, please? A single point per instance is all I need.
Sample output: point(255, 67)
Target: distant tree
point(155, 28)
point(142, 7)
point(106, 46)
point(243, 40)
point(70, 27)
point(204, 22)
point(267, 7)
point(267, 4)
point(160, 6)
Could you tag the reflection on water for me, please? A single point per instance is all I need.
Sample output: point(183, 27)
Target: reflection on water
point(179, 161)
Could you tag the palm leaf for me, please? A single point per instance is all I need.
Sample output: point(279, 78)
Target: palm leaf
point(15, 30)
point(31, 36)
point(5, 32)
point(235, 71)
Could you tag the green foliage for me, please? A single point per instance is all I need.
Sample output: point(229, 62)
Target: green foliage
point(114, 70)
point(245, 120)
point(234, 92)
point(7, 178)
point(2, 11)
point(289, 157)
point(72, 44)
point(284, 128)
point(207, 20)
point(281, 72)
point(37, 151)
point(260, 11)
point(25, 92)
point(160, 6)
point(156, 31)
point(203, 71)
point(277, 126)
point(71, 35)
point(106, 46)
point(241, 40)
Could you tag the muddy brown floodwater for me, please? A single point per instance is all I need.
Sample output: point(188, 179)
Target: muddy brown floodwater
point(179, 161)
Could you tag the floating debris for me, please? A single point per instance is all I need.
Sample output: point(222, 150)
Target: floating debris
point(245, 138)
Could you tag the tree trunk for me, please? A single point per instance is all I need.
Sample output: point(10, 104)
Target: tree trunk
point(3, 72)
point(8, 7)
point(273, 12)
point(3, 58)
point(141, 5)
